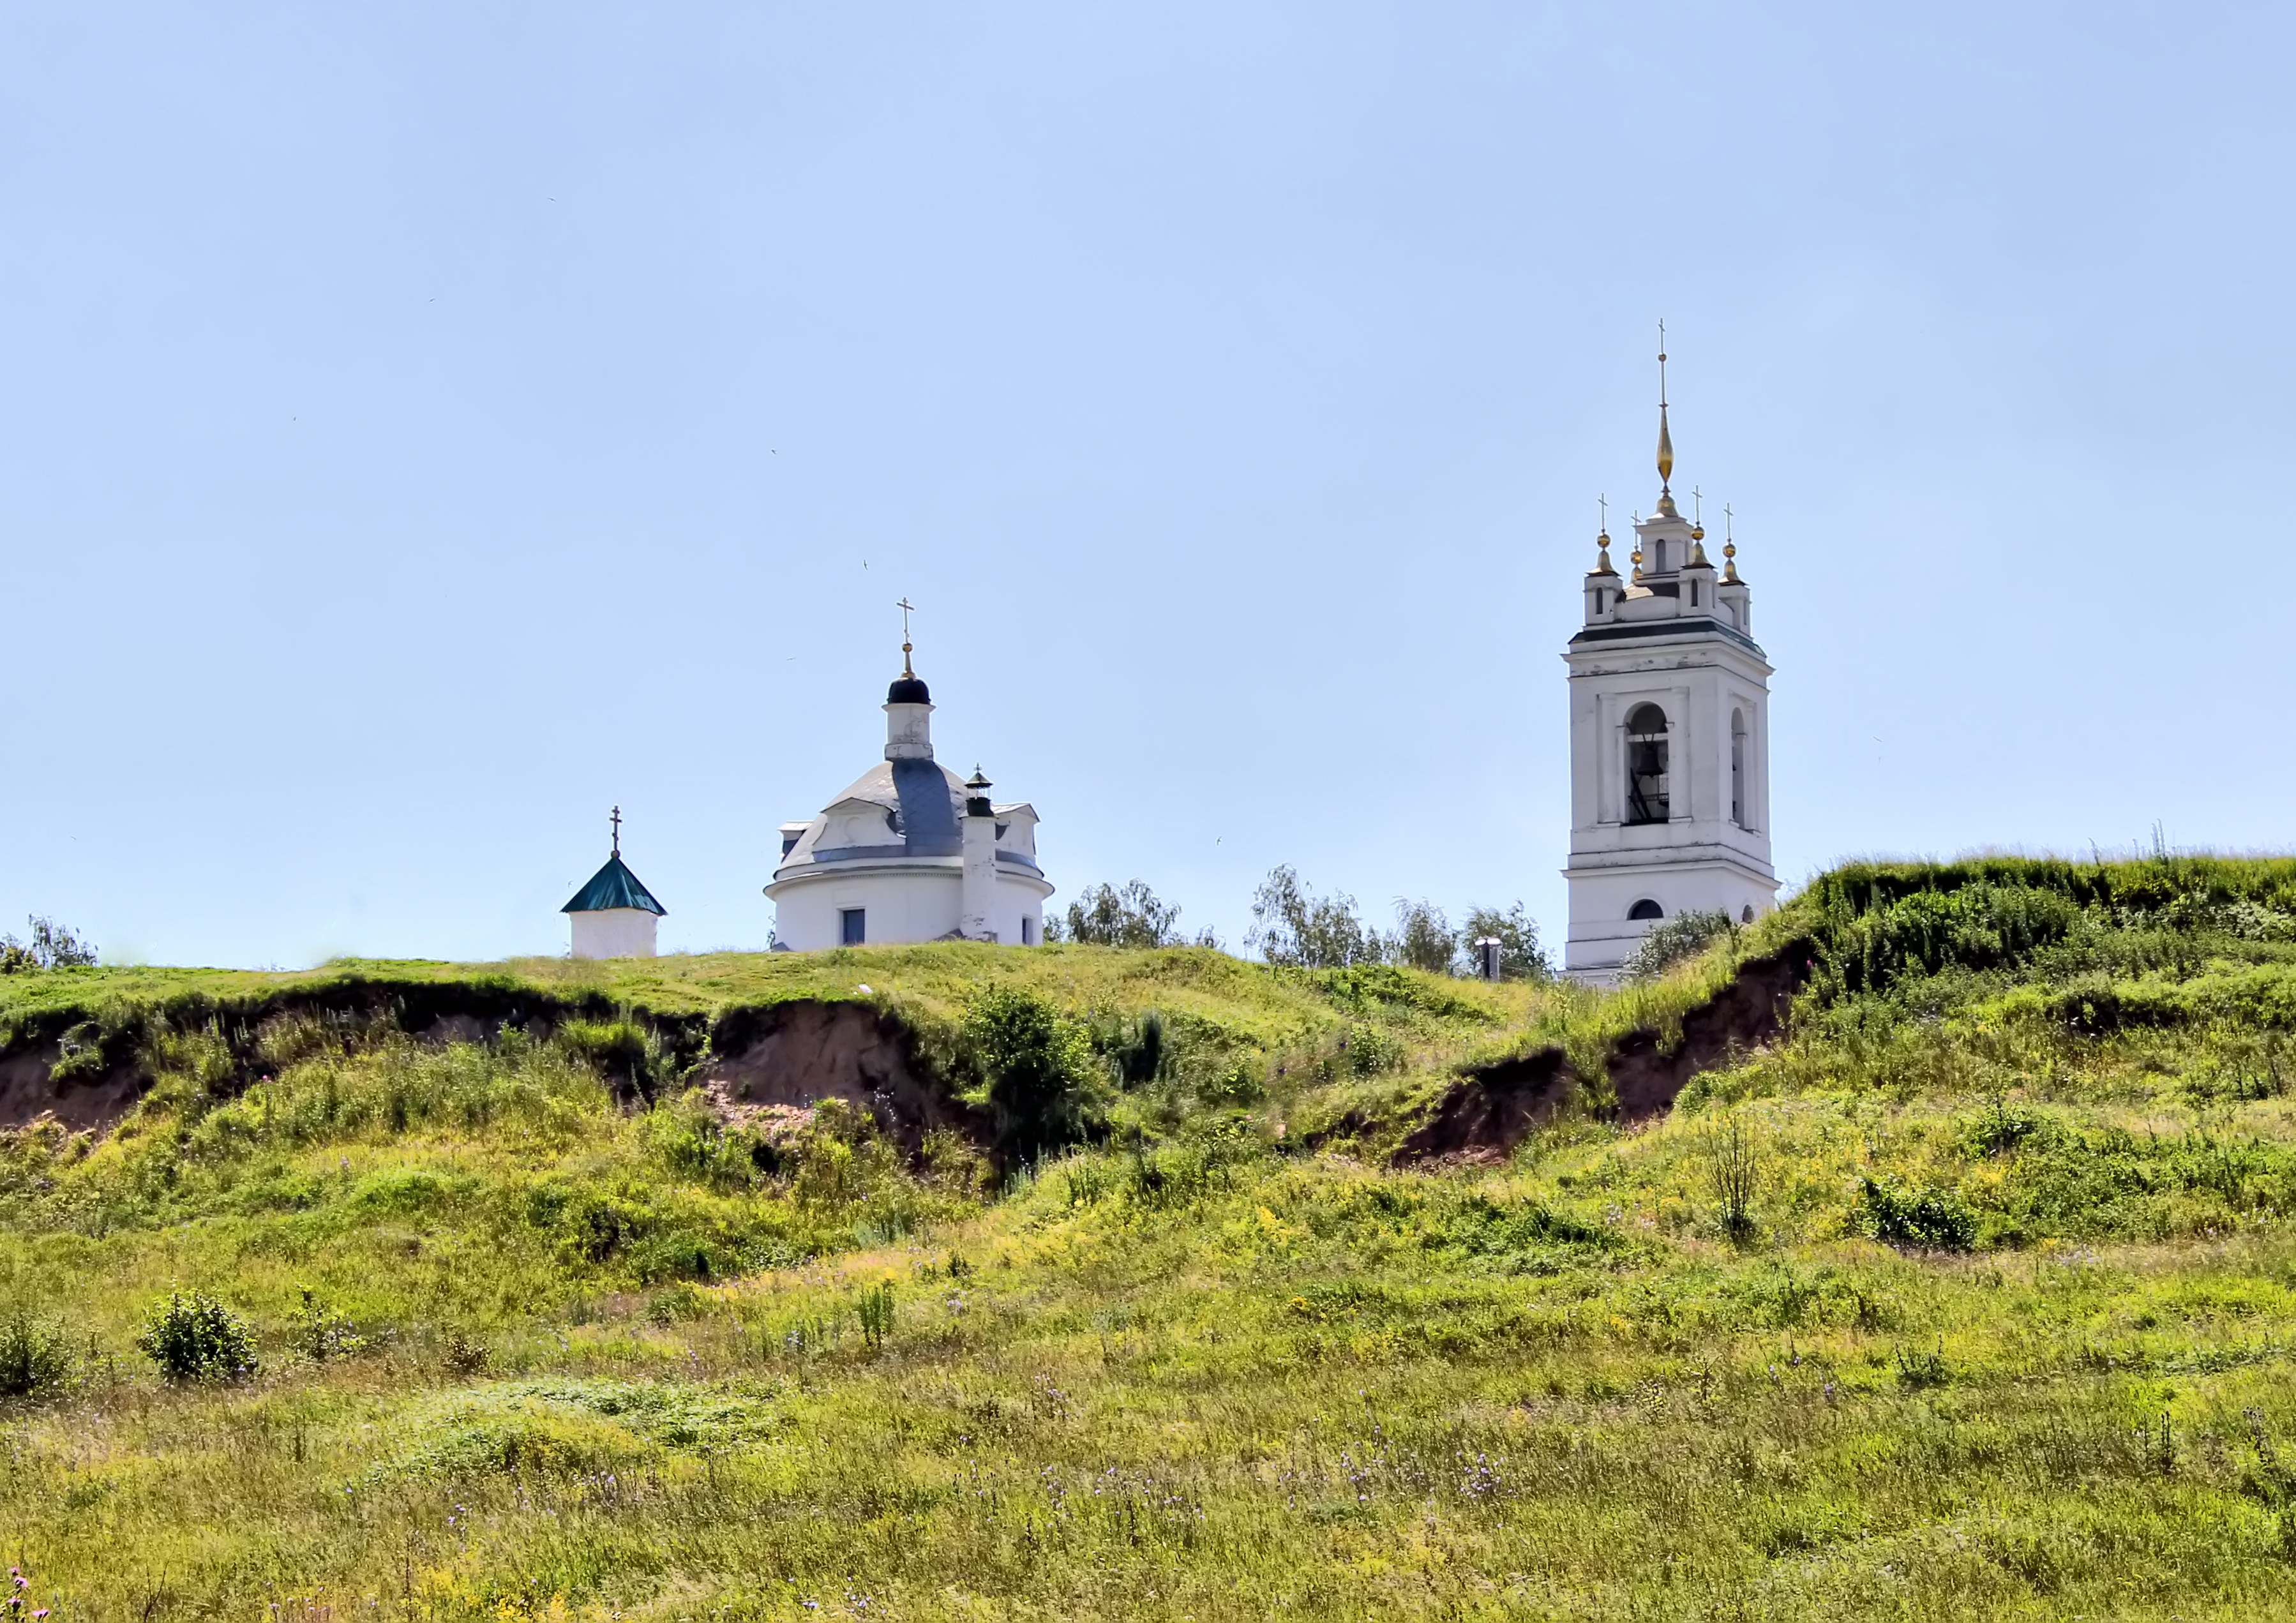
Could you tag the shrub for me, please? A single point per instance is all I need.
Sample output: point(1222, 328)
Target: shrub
point(1139, 1051)
point(318, 1331)
point(2000, 1129)
point(1673, 940)
point(1927, 1219)
point(1730, 1166)
point(34, 1361)
point(1037, 1069)
point(194, 1337)
point(876, 1315)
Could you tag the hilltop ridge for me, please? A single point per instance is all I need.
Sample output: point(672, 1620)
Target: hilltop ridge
point(1923, 1249)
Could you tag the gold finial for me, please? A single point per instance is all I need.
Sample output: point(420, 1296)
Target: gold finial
point(905, 606)
point(1697, 514)
point(1665, 439)
point(1729, 546)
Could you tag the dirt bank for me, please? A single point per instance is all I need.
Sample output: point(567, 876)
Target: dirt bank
point(1491, 1110)
point(790, 1055)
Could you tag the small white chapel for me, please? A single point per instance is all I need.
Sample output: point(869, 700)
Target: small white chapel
point(1669, 740)
point(614, 916)
point(910, 852)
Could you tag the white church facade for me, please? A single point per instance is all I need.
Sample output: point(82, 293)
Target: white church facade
point(1670, 741)
point(910, 852)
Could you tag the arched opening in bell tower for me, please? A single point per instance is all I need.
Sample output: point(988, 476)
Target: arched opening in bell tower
point(1738, 767)
point(1647, 798)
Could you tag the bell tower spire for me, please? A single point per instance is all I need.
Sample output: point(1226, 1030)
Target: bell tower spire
point(1669, 737)
point(1666, 506)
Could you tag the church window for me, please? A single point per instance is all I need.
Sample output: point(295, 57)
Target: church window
point(1028, 930)
point(852, 925)
point(1647, 799)
point(1646, 909)
point(789, 844)
point(1738, 767)
point(1746, 914)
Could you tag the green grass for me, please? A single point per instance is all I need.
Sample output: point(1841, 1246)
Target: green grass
point(613, 1362)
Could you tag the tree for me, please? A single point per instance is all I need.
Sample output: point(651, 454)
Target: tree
point(1292, 926)
point(1423, 938)
point(1133, 916)
point(1520, 956)
point(53, 947)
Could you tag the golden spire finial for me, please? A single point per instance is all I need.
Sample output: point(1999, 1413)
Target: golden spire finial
point(1603, 539)
point(1665, 439)
point(1729, 545)
point(905, 607)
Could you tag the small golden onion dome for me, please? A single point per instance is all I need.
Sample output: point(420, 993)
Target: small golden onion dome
point(1698, 560)
point(1730, 561)
point(1698, 532)
point(1666, 507)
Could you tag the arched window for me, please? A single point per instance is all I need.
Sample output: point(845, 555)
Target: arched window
point(1646, 790)
point(1646, 909)
point(1747, 915)
point(1738, 767)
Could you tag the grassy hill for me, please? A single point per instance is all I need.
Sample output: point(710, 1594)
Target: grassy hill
point(1969, 1291)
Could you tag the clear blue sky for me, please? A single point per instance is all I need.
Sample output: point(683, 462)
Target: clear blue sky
point(422, 427)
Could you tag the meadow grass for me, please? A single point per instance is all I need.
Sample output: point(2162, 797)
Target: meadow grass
point(612, 1362)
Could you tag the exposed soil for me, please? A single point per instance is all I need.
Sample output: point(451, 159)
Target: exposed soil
point(767, 1062)
point(29, 1090)
point(758, 1063)
point(1491, 1110)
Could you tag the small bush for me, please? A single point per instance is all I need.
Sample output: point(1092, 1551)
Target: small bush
point(194, 1337)
point(318, 1331)
point(1675, 940)
point(2000, 1129)
point(34, 1361)
point(1926, 1219)
point(1731, 1167)
point(876, 1315)
point(1038, 1071)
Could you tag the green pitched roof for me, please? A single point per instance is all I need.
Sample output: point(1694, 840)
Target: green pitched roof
point(613, 886)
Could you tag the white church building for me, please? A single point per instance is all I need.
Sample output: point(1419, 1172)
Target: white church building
point(614, 915)
point(1669, 741)
point(910, 852)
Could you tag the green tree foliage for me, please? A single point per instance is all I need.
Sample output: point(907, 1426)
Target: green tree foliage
point(1295, 928)
point(1520, 956)
point(53, 946)
point(1037, 1070)
point(1672, 940)
point(1104, 915)
point(194, 1337)
point(1424, 938)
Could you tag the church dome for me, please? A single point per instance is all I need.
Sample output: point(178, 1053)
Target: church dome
point(909, 690)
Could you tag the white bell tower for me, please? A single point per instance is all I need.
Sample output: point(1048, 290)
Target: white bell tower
point(1669, 741)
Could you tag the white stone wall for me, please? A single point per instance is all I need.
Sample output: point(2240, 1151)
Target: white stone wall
point(919, 900)
point(1702, 856)
point(614, 932)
